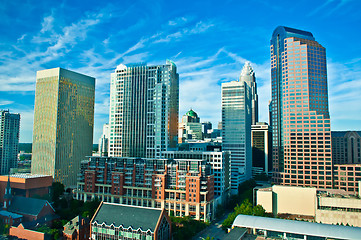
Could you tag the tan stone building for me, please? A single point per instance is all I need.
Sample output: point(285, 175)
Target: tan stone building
point(332, 206)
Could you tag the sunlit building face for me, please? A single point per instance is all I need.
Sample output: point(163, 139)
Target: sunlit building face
point(63, 123)
point(300, 114)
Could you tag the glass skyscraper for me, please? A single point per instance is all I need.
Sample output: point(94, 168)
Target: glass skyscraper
point(236, 130)
point(63, 123)
point(300, 114)
point(9, 140)
point(249, 77)
point(144, 102)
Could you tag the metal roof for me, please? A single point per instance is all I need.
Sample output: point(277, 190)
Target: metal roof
point(127, 215)
point(298, 227)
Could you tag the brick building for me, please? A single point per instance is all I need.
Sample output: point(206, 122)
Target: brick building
point(77, 229)
point(22, 233)
point(182, 186)
point(26, 185)
point(117, 221)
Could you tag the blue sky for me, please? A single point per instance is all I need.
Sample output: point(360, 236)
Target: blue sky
point(208, 40)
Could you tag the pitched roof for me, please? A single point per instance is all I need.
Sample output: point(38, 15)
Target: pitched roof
point(125, 215)
point(28, 206)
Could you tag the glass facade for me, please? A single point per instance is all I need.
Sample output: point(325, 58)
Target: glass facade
point(144, 102)
point(9, 140)
point(236, 130)
point(300, 114)
point(63, 123)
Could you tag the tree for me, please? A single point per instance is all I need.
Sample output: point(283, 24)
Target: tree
point(259, 211)
point(57, 189)
point(208, 238)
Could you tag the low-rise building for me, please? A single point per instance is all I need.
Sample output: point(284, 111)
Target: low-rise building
point(26, 185)
point(20, 232)
point(184, 187)
point(77, 229)
point(332, 206)
point(116, 221)
point(275, 228)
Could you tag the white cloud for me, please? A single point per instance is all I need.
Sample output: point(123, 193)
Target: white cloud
point(201, 78)
point(5, 102)
point(198, 28)
point(344, 84)
point(178, 21)
point(47, 24)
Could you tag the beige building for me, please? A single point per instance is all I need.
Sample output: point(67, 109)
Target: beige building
point(63, 123)
point(332, 206)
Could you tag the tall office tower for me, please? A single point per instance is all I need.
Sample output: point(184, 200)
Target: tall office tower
point(104, 141)
point(261, 149)
point(63, 123)
point(144, 103)
point(190, 128)
point(236, 130)
point(9, 140)
point(300, 116)
point(248, 76)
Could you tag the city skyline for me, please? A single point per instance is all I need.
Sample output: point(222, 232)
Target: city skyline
point(209, 47)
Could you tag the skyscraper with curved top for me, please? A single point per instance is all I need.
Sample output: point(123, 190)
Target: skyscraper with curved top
point(248, 76)
point(300, 114)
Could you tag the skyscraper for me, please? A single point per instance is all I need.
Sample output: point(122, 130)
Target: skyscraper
point(190, 127)
point(104, 141)
point(248, 76)
point(300, 115)
point(63, 123)
point(9, 140)
point(236, 130)
point(144, 103)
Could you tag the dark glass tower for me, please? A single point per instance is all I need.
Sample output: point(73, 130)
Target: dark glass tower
point(300, 115)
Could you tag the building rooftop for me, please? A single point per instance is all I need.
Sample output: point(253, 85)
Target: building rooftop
point(298, 227)
point(191, 113)
point(128, 216)
point(235, 233)
point(28, 206)
point(10, 214)
point(73, 225)
point(27, 175)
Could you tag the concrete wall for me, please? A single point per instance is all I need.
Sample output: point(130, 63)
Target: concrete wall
point(334, 217)
point(264, 198)
point(345, 211)
point(288, 200)
point(294, 200)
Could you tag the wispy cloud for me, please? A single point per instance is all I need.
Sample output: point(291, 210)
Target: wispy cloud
point(344, 83)
point(178, 21)
point(201, 78)
point(198, 28)
point(5, 102)
point(330, 5)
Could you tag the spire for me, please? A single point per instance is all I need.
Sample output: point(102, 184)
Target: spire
point(247, 74)
point(7, 196)
point(8, 189)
